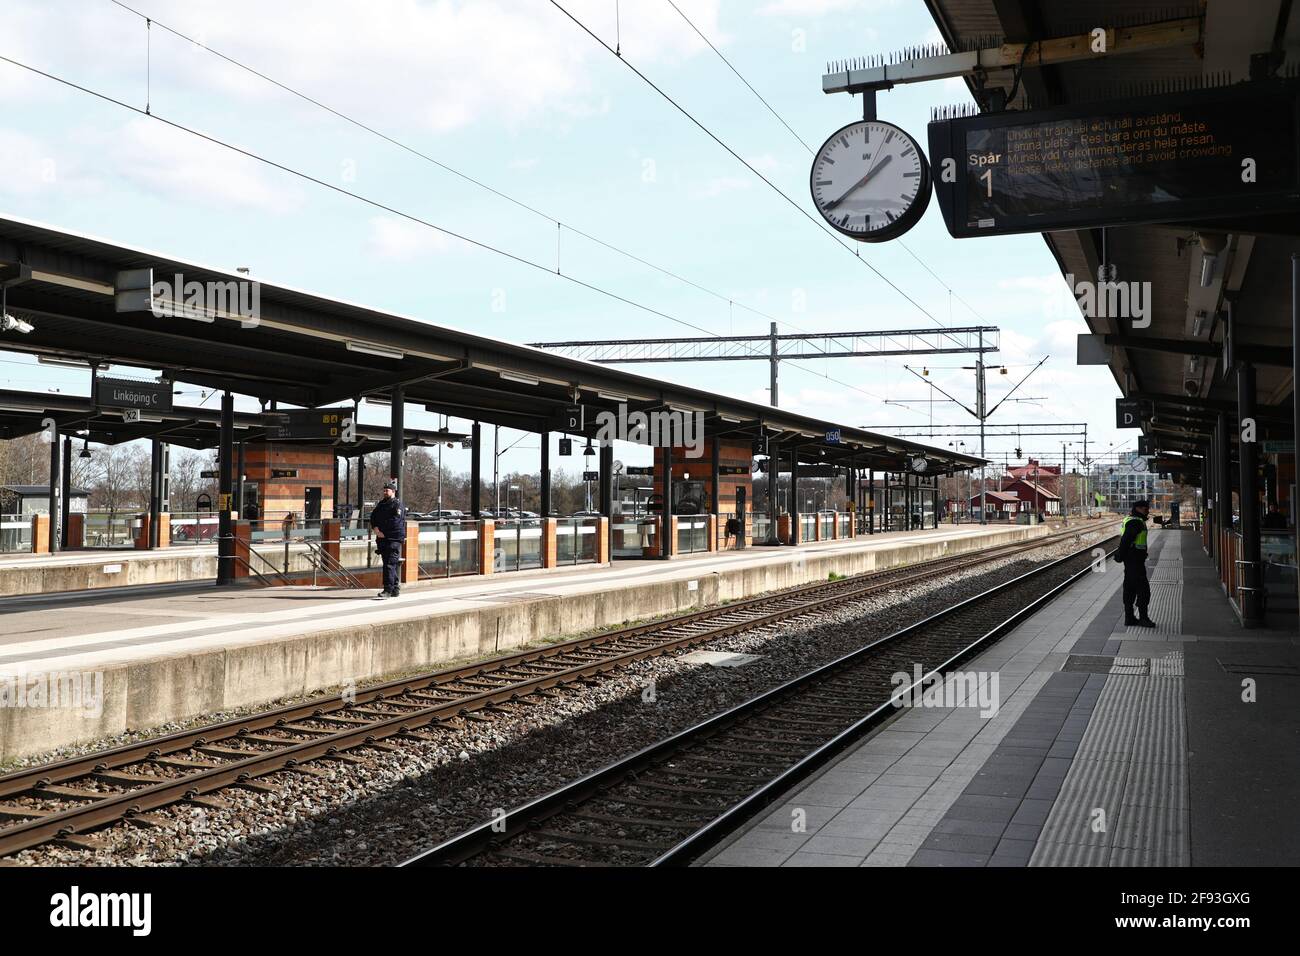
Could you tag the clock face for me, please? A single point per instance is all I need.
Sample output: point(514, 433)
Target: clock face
point(871, 181)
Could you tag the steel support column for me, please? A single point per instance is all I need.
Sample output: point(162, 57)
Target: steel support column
point(475, 473)
point(545, 504)
point(225, 472)
point(65, 500)
point(666, 530)
point(1251, 597)
point(397, 439)
point(54, 543)
point(155, 492)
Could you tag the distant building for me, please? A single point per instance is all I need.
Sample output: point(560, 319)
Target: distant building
point(1033, 496)
point(997, 502)
point(1119, 487)
point(1048, 476)
point(35, 500)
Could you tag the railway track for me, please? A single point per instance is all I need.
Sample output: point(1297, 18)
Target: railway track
point(65, 801)
point(672, 801)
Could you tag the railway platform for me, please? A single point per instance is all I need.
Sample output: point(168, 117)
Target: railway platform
point(1109, 746)
point(144, 657)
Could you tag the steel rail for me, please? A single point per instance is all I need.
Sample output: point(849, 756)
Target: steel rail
point(483, 837)
point(133, 803)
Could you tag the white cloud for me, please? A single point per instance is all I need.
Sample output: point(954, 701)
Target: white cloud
point(400, 239)
point(33, 167)
point(815, 8)
point(438, 65)
point(169, 163)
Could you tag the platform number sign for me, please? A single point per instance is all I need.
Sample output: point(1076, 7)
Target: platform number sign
point(1127, 413)
point(591, 476)
point(566, 447)
point(569, 420)
point(833, 437)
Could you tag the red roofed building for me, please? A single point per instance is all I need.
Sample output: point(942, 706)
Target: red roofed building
point(1048, 476)
point(1034, 496)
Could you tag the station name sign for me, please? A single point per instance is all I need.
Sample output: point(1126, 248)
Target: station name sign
point(305, 424)
point(1200, 155)
point(122, 393)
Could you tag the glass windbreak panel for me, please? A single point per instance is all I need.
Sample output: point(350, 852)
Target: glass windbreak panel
point(193, 528)
point(807, 527)
point(587, 531)
point(463, 546)
point(15, 534)
point(762, 525)
point(530, 543)
point(105, 530)
point(692, 534)
point(565, 540)
point(631, 536)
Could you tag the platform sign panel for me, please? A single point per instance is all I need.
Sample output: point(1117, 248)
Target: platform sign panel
point(1198, 155)
point(591, 476)
point(1128, 413)
point(122, 393)
point(833, 437)
point(305, 424)
point(569, 420)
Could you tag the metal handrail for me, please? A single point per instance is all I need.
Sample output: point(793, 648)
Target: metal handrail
point(330, 565)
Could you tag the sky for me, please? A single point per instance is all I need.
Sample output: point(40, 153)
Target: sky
point(516, 95)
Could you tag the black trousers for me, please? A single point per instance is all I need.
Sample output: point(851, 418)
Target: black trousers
point(1136, 589)
point(390, 552)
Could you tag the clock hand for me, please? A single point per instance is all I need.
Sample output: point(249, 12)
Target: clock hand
point(870, 172)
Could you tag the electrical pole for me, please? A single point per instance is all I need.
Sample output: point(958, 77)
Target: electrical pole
point(981, 415)
point(774, 362)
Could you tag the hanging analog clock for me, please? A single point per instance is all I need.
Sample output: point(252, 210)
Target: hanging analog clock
point(871, 181)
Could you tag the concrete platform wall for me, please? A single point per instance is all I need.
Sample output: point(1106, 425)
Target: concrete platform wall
point(180, 685)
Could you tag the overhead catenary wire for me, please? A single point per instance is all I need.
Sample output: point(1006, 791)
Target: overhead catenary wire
point(486, 246)
point(559, 223)
point(744, 162)
point(924, 265)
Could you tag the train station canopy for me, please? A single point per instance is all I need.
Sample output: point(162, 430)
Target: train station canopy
point(21, 413)
point(81, 298)
point(1227, 265)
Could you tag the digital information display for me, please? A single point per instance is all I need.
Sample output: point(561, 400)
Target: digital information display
point(319, 424)
point(1206, 154)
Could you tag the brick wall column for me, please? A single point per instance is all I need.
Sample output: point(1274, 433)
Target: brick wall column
point(853, 524)
point(243, 532)
point(487, 546)
point(783, 524)
point(410, 572)
point(602, 541)
point(142, 535)
point(329, 538)
point(76, 530)
point(164, 531)
point(549, 554)
point(40, 534)
point(672, 541)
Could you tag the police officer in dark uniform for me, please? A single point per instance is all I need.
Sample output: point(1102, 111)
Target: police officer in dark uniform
point(389, 521)
point(1132, 552)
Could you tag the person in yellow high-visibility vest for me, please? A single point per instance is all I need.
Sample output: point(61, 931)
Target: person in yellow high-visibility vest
point(1132, 553)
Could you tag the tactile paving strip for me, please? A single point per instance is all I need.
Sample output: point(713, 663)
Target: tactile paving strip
point(1124, 801)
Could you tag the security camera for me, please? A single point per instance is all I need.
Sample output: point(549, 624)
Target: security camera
point(11, 324)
